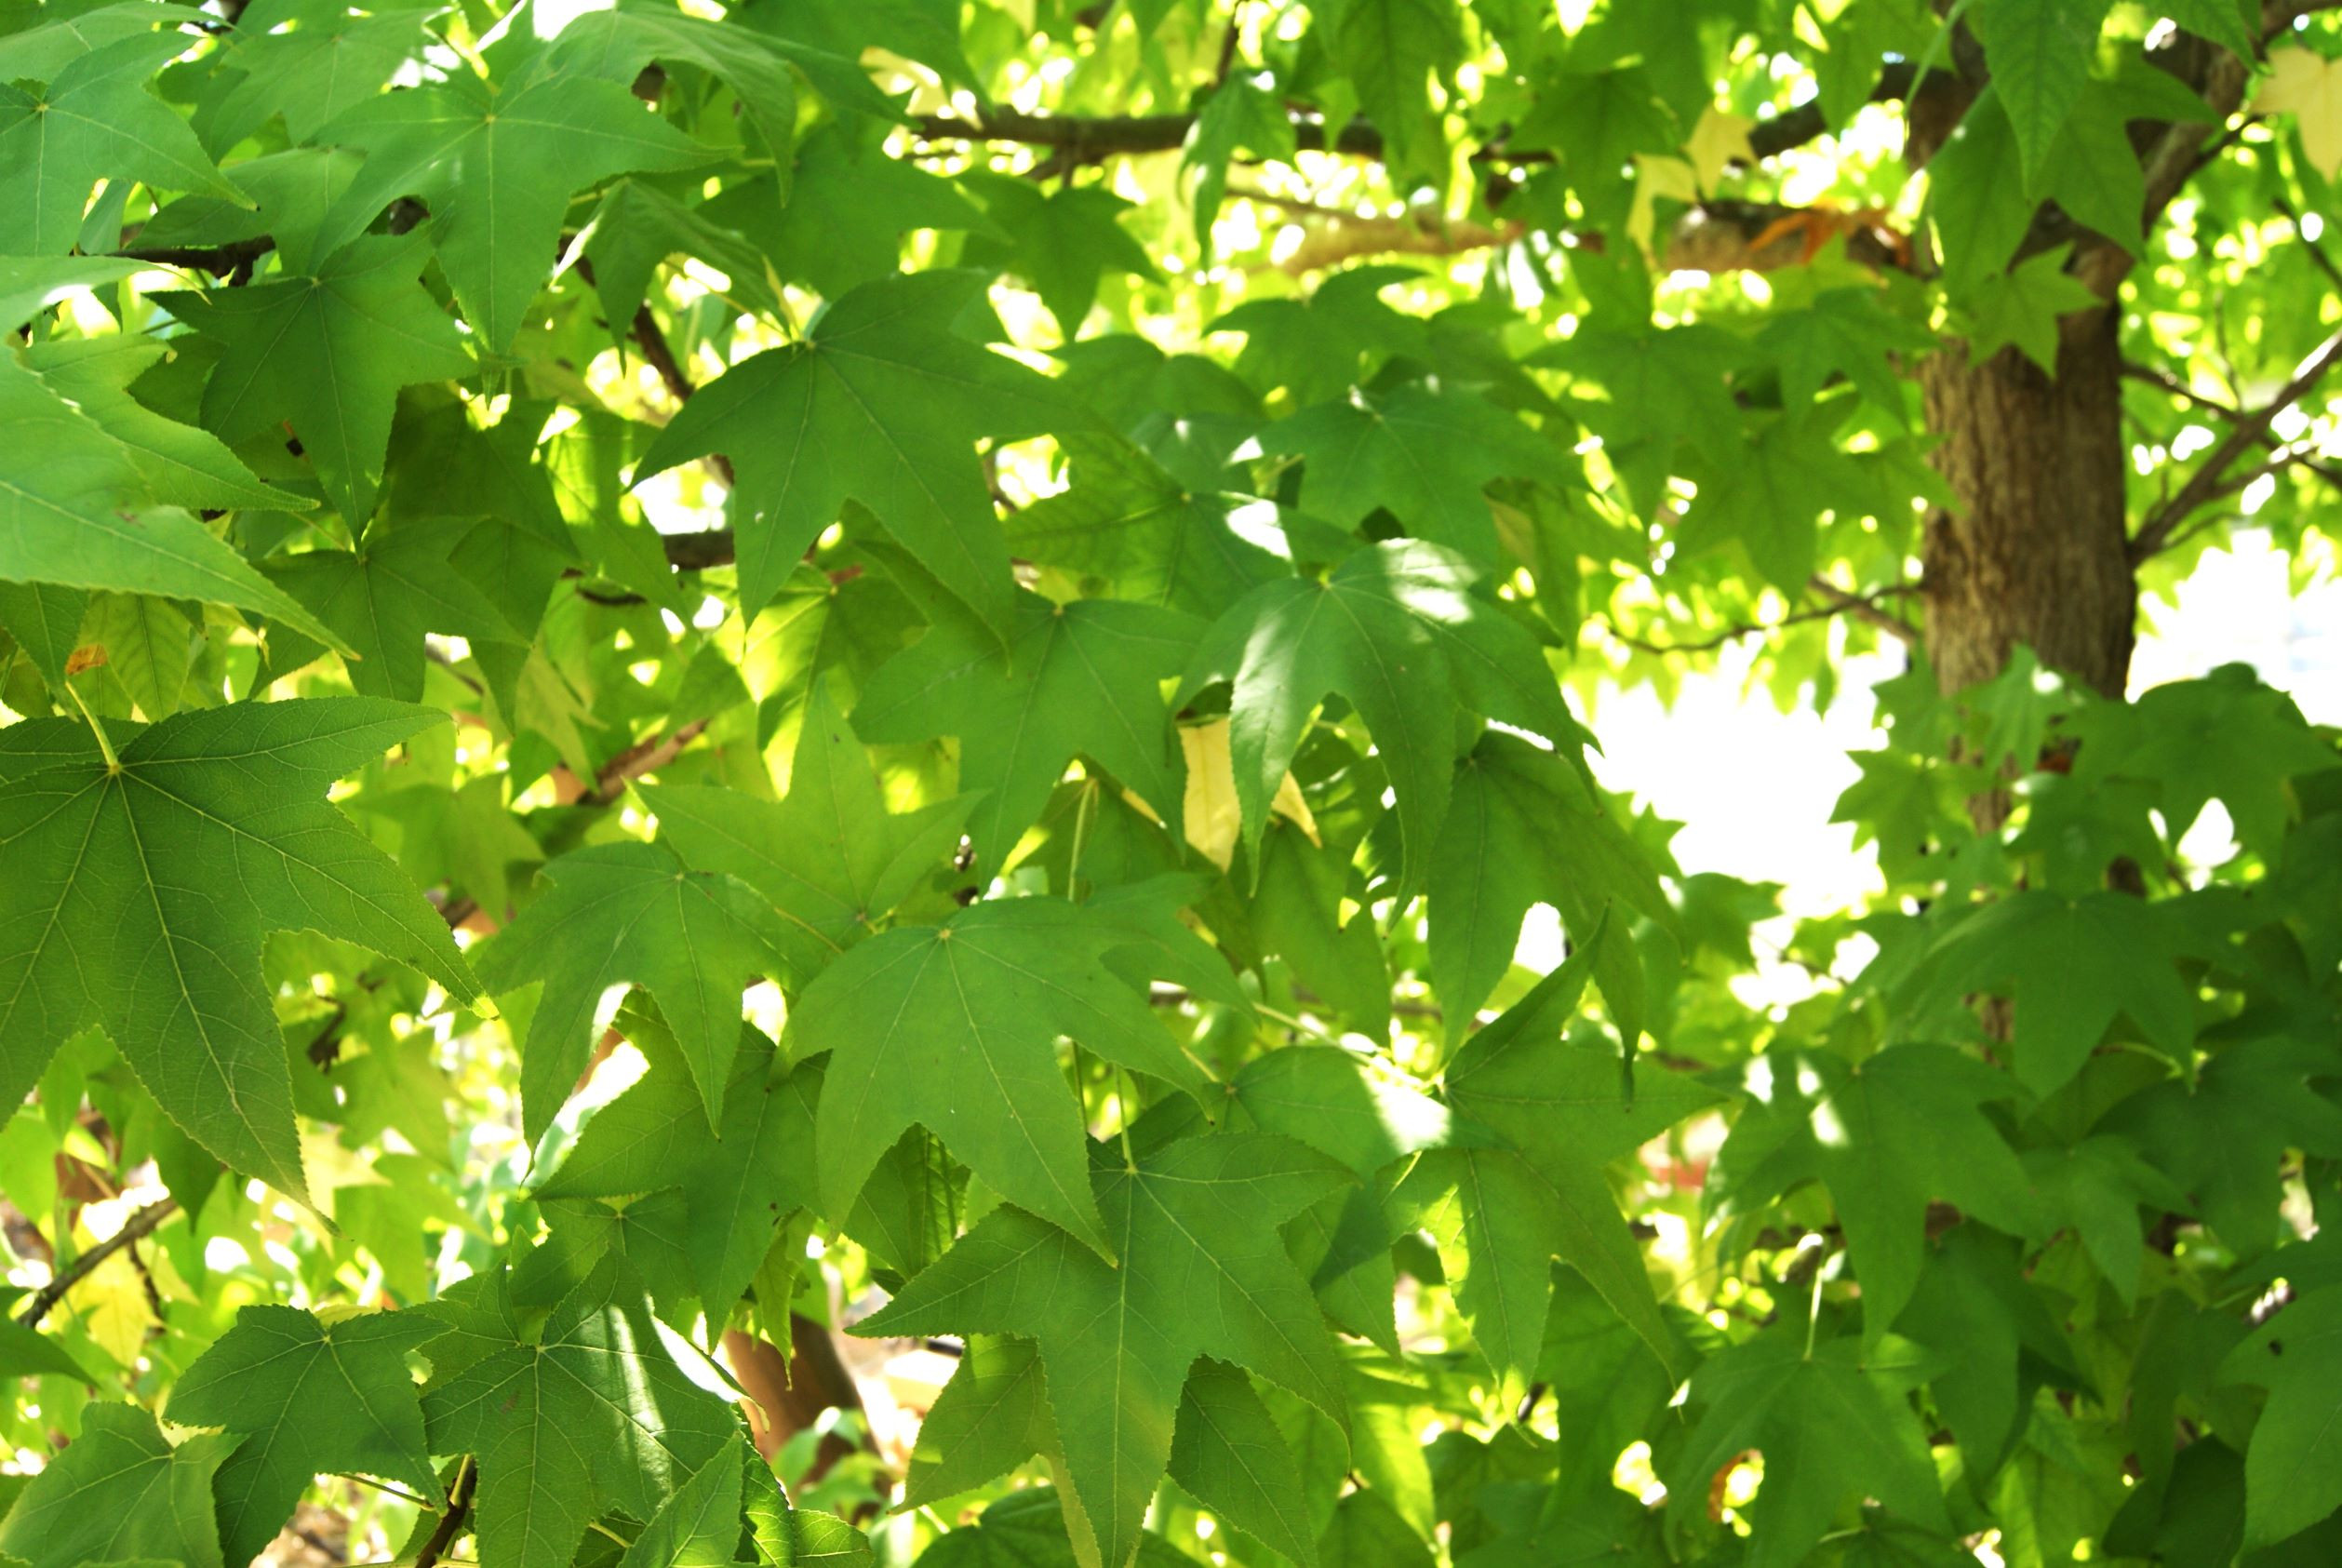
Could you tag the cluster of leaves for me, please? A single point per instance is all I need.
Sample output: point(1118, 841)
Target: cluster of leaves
point(1048, 876)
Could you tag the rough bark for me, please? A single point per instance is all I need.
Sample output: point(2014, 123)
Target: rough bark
point(2036, 553)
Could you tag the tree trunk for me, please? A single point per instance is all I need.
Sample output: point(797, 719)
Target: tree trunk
point(2037, 552)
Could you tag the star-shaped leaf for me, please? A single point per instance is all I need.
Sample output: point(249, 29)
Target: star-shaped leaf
point(326, 353)
point(1202, 1273)
point(306, 1397)
point(141, 892)
point(1525, 827)
point(73, 511)
point(1767, 493)
point(1502, 1215)
point(1083, 678)
point(1421, 453)
point(2040, 53)
point(381, 597)
point(1831, 1421)
point(1886, 1135)
point(588, 1415)
point(1397, 632)
point(1127, 523)
point(738, 1187)
point(954, 1027)
point(2292, 1470)
point(120, 1492)
point(1322, 345)
point(828, 855)
point(2073, 966)
point(882, 403)
point(1060, 241)
point(95, 119)
point(333, 59)
point(2023, 307)
point(632, 914)
point(498, 173)
point(1850, 333)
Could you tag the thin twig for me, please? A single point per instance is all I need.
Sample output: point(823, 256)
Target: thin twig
point(2208, 483)
point(140, 1223)
point(451, 1524)
point(425, 1504)
point(1838, 601)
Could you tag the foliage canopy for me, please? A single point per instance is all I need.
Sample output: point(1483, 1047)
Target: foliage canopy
point(677, 680)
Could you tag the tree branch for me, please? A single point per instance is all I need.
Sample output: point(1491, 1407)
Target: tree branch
point(2209, 482)
point(1835, 601)
point(140, 1223)
point(1087, 138)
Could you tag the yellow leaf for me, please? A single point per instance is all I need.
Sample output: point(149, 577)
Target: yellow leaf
point(331, 1168)
point(1213, 815)
point(2310, 88)
point(1657, 178)
point(1719, 140)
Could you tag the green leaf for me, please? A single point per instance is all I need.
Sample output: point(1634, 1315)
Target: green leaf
point(95, 119)
point(306, 1397)
point(1831, 1420)
point(1976, 186)
point(26, 1352)
point(1228, 1453)
point(2220, 20)
point(1768, 495)
point(1391, 49)
point(992, 1416)
point(1397, 632)
point(1060, 242)
point(587, 1415)
point(1422, 453)
point(1127, 523)
point(882, 404)
point(1201, 1274)
point(180, 464)
point(1886, 1135)
point(146, 889)
point(74, 512)
point(1849, 332)
point(2073, 966)
point(1501, 1214)
point(119, 1493)
point(30, 285)
point(632, 914)
point(498, 173)
point(2040, 53)
point(699, 1526)
point(952, 1027)
point(1320, 346)
point(381, 597)
point(332, 61)
point(1525, 827)
point(2024, 306)
point(1083, 678)
point(829, 856)
point(326, 353)
point(738, 1187)
point(2292, 1470)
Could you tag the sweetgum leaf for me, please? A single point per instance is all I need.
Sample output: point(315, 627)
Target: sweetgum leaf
point(737, 1187)
point(93, 120)
point(74, 512)
point(140, 895)
point(632, 914)
point(880, 403)
point(1083, 678)
point(1397, 631)
point(588, 1414)
point(121, 1492)
point(952, 1027)
point(327, 352)
point(382, 596)
point(498, 172)
point(828, 855)
point(1202, 1273)
point(1830, 1419)
point(306, 1397)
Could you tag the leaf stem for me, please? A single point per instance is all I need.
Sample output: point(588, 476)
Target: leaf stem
point(105, 747)
point(422, 1502)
